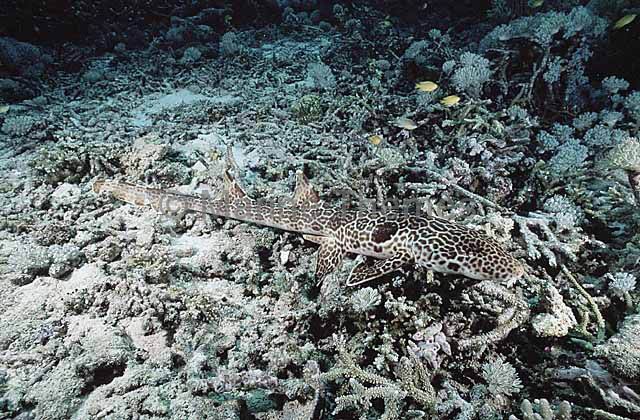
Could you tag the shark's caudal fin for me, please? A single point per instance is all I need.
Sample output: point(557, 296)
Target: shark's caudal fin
point(159, 200)
point(123, 191)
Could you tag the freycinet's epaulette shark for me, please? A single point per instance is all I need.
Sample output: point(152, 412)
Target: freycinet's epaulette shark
point(393, 239)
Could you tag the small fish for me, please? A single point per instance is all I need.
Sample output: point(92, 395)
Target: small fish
point(426, 86)
point(624, 21)
point(406, 123)
point(450, 100)
point(375, 139)
point(534, 4)
point(4, 109)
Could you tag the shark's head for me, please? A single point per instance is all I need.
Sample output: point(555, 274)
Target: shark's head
point(448, 247)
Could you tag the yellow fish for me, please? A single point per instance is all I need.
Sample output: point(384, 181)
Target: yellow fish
point(375, 139)
point(624, 21)
point(426, 86)
point(406, 123)
point(534, 4)
point(4, 108)
point(450, 100)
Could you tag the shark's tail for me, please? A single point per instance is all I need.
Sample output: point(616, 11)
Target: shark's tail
point(160, 200)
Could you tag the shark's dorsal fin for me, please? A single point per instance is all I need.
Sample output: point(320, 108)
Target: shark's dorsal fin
point(232, 189)
point(304, 194)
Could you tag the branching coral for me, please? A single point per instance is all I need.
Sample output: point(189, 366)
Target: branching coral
point(626, 156)
point(515, 314)
point(593, 306)
point(623, 284)
point(548, 34)
point(364, 300)
point(472, 73)
point(542, 27)
point(18, 126)
point(621, 401)
point(412, 380)
point(546, 243)
point(71, 161)
point(320, 76)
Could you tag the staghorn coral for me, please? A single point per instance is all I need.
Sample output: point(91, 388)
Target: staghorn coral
point(619, 401)
point(547, 242)
point(515, 313)
point(585, 120)
point(561, 55)
point(412, 380)
point(622, 282)
point(632, 105)
point(603, 135)
point(569, 158)
point(564, 212)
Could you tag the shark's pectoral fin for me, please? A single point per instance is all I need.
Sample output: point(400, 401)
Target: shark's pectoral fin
point(316, 239)
point(329, 256)
point(365, 272)
point(304, 194)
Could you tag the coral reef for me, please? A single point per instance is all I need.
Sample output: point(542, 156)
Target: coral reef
point(528, 134)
